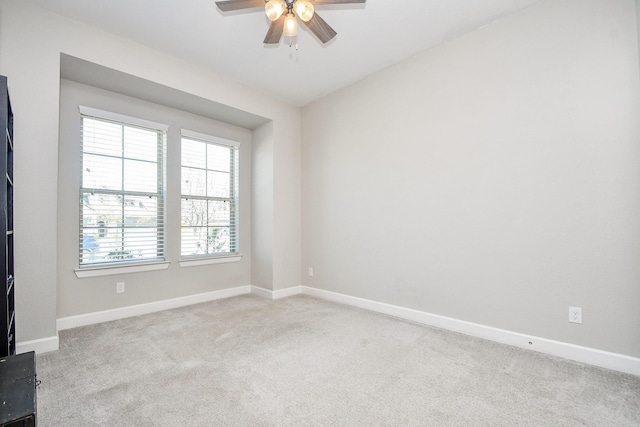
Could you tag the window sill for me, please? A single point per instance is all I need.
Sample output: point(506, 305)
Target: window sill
point(206, 261)
point(82, 273)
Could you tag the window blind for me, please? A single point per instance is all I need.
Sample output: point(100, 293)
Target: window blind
point(122, 204)
point(209, 202)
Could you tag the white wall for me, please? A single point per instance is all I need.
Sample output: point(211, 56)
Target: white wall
point(31, 41)
point(493, 179)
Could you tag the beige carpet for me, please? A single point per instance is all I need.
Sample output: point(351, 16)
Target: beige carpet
point(300, 361)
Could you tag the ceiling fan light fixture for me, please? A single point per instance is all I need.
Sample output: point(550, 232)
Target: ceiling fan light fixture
point(304, 9)
point(274, 9)
point(283, 15)
point(290, 25)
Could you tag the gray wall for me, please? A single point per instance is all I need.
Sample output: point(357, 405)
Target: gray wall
point(87, 295)
point(31, 43)
point(638, 24)
point(262, 210)
point(494, 179)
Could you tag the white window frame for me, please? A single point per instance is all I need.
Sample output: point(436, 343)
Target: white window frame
point(224, 257)
point(126, 266)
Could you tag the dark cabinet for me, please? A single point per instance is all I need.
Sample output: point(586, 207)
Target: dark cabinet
point(18, 390)
point(7, 300)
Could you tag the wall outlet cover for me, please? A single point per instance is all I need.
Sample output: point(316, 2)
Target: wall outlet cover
point(575, 314)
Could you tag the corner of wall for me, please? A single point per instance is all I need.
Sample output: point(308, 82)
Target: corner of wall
point(262, 207)
point(638, 27)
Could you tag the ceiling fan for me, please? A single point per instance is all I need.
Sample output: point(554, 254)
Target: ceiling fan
point(282, 14)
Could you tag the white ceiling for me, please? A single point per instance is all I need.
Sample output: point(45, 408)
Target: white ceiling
point(370, 37)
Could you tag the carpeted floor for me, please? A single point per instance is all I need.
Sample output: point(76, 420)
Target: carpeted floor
point(300, 361)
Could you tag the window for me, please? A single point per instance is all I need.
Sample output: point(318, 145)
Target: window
point(122, 185)
point(209, 200)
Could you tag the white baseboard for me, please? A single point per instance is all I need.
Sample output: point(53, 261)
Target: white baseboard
point(152, 307)
point(604, 359)
point(288, 292)
point(262, 292)
point(273, 295)
point(41, 345)
point(591, 356)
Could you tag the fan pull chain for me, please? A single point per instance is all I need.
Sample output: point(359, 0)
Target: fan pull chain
point(291, 42)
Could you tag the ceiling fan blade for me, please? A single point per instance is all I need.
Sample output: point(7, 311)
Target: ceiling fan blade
point(337, 1)
point(320, 28)
point(275, 31)
point(229, 5)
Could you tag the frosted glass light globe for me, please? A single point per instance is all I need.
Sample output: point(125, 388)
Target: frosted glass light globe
point(274, 9)
point(304, 9)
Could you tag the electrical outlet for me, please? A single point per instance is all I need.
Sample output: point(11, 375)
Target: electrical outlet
point(119, 287)
point(575, 314)
point(310, 271)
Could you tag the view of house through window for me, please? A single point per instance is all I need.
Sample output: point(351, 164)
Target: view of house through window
point(121, 192)
point(209, 197)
